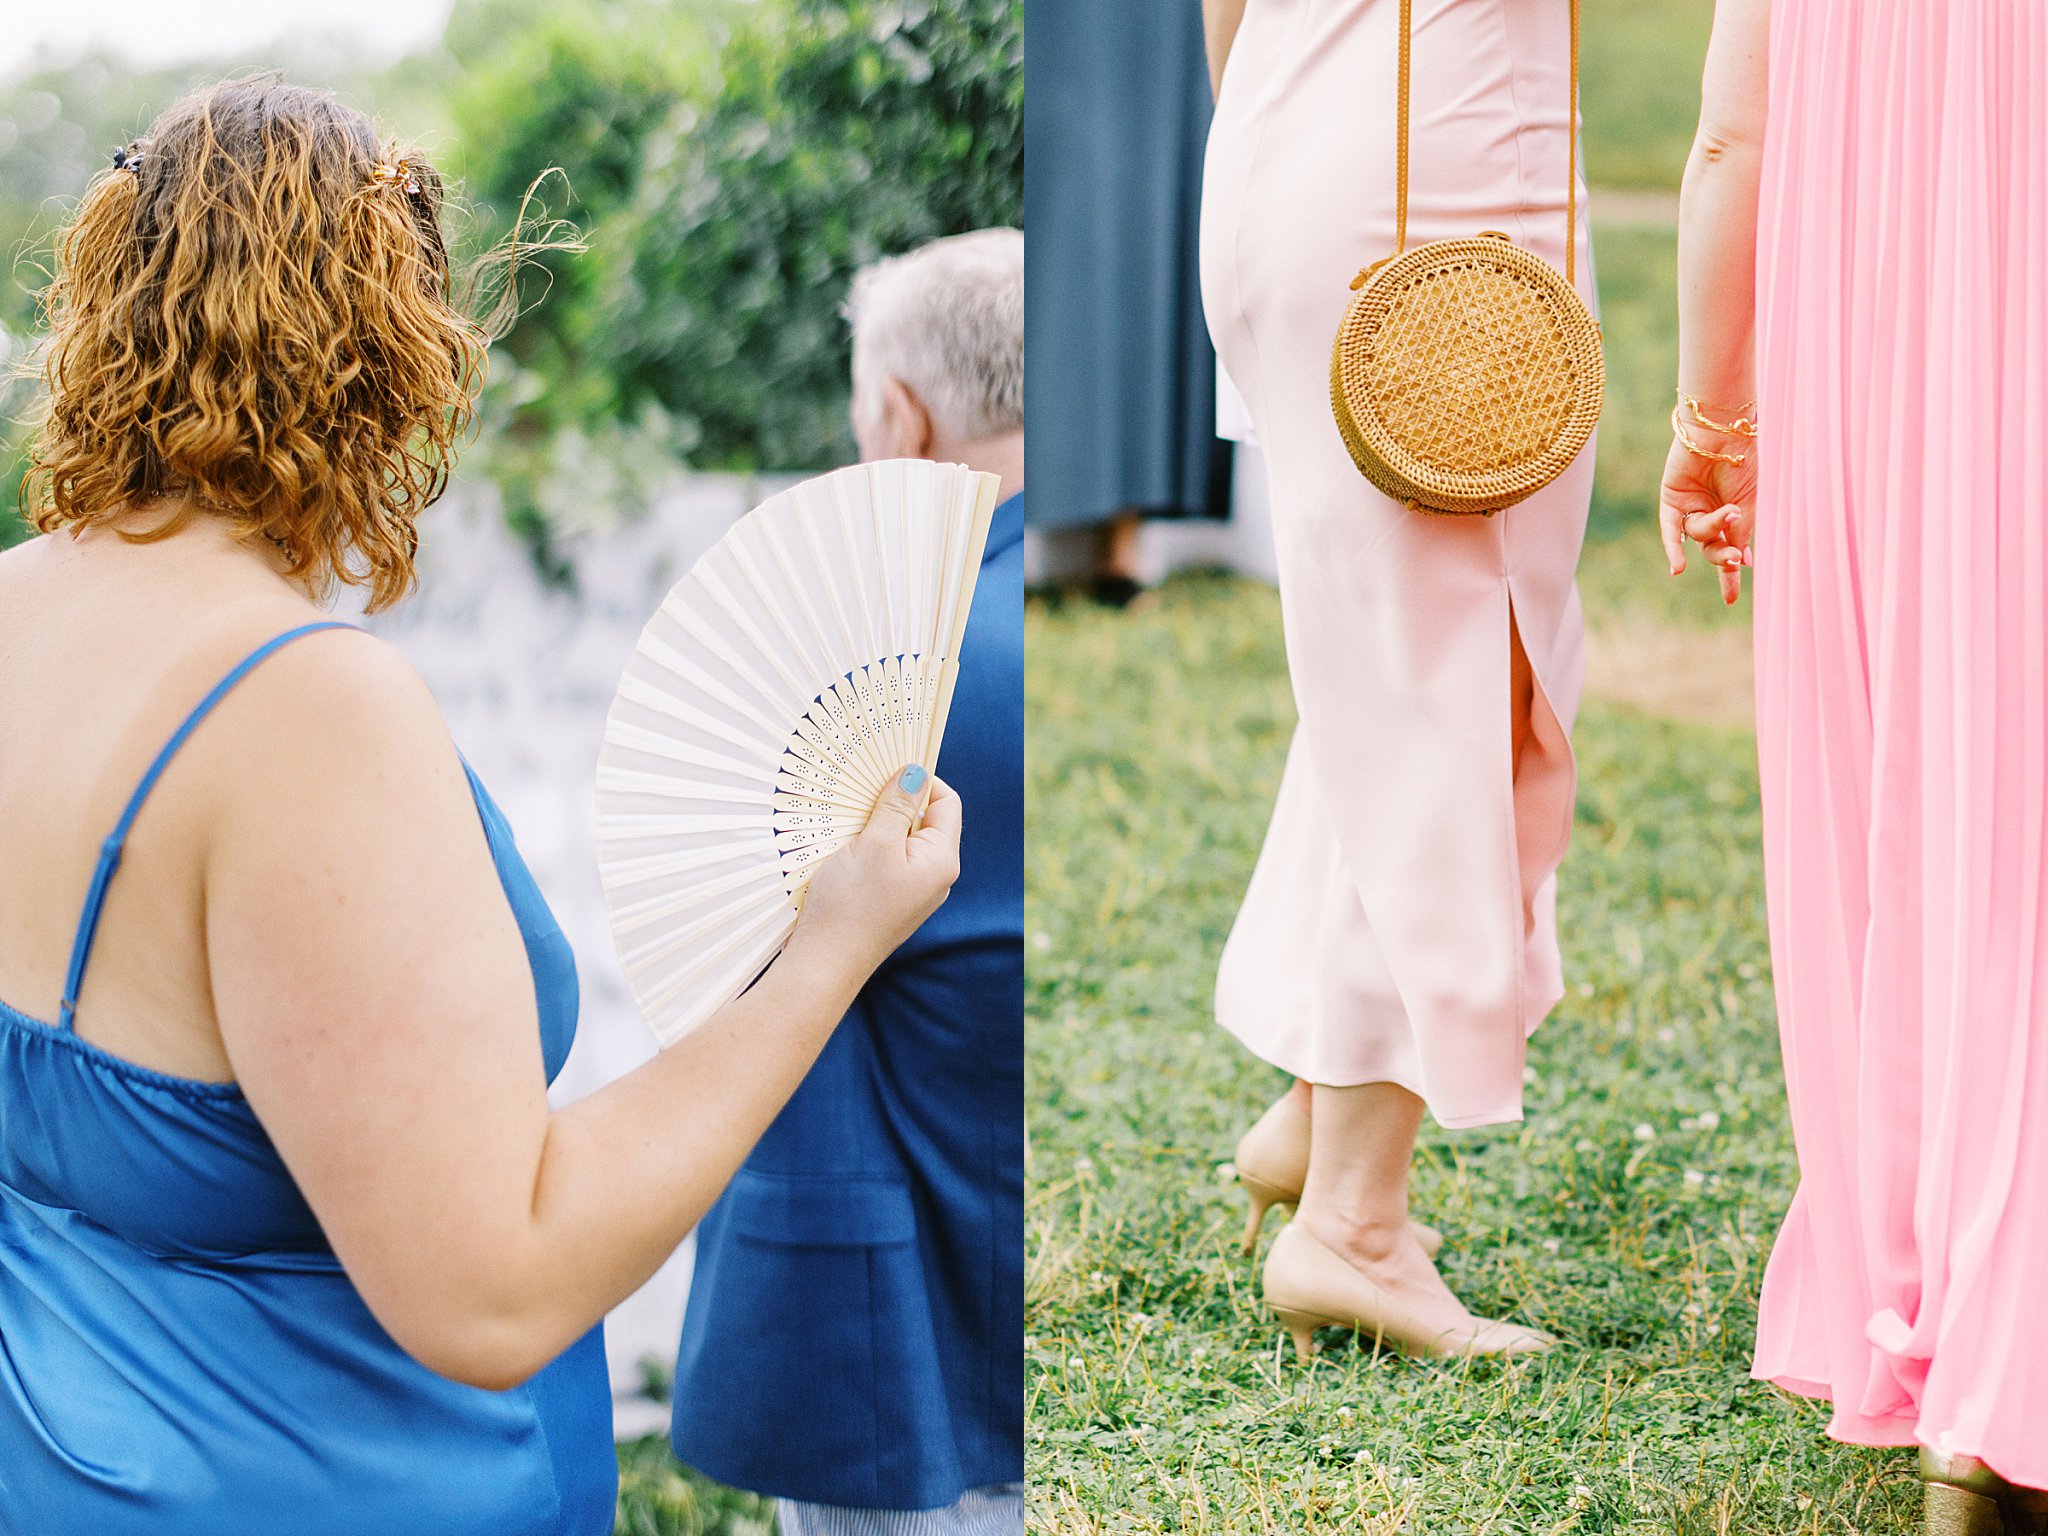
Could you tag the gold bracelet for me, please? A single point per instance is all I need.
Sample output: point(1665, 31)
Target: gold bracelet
point(1691, 447)
point(1741, 426)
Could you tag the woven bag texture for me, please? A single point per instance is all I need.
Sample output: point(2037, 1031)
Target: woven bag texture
point(1466, 375)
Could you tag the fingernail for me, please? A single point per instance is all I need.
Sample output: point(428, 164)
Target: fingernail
point(912, 780)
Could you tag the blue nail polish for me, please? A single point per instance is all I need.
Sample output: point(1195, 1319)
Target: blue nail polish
point(912, 780)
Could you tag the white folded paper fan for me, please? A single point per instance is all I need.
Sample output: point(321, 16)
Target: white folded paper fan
point(806, 658)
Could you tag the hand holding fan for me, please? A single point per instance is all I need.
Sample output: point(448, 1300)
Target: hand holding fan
point(781, 685)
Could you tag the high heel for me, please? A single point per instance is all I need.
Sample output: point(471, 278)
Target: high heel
point(1263, 1197)
point(1953, 1511)
point(1307, 1287)
point(1272, 1165)
point(1301, 1327)
point(1272, 1162)
point(1966, 1498)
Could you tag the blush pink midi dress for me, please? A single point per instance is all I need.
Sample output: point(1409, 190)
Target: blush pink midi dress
point(1902, 701)
point(1400, 925)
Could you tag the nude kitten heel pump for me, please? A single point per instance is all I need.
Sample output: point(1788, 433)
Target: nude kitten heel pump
point(1309, 1287)
point(1967, 1498)
point(1272, 1164)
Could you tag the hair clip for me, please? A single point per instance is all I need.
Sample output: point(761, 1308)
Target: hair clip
point(128, 159)
point(400, 175)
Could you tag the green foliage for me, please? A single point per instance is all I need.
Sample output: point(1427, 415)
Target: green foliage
point(1630, 1214)
point(731, 166)
point(659, 1498)
point(16, 404)
point(843, 130)
point(584, 89)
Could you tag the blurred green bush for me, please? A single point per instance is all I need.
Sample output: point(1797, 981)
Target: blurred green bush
point(731, 169)
point(844, 132)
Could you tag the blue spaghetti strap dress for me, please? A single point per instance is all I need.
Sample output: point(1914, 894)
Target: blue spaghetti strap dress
point(180, 1351)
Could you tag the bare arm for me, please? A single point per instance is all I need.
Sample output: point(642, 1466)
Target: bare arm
point(1717, 222)
point(375, 999)
point(1717, 210)
point(1220, 20)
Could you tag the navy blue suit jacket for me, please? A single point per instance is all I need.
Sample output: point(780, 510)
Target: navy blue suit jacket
point(856, 1319)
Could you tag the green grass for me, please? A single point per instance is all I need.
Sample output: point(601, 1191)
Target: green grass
point(1638, 275)
point(1631, 1214)
point(1639, 88)
point(658, 1497)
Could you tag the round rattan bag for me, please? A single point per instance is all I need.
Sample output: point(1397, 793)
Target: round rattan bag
point(1466, 375)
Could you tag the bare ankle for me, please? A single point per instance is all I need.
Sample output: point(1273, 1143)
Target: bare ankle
point(1367, 1237)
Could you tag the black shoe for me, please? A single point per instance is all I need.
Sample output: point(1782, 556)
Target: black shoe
point(1115, 591)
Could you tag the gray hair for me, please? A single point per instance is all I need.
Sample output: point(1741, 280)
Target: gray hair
point(947, 320)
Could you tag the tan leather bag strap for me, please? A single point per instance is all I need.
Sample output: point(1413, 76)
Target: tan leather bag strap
point(1571, 181)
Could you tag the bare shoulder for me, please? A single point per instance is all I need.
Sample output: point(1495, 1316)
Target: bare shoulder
point(20, 565)
point(344, 668)
point(341, 679)
point(334, 717)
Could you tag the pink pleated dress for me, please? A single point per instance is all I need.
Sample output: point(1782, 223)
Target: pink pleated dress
point(1400, 925)
point(1902, 699)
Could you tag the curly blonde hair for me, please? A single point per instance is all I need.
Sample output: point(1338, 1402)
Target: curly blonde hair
point(251, 311)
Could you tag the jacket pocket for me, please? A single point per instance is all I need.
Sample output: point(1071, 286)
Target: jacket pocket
point(803, 1212)
point(809, 1366)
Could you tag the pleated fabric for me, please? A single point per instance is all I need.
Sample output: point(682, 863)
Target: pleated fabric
point(1401, 923)
point(1902, 694)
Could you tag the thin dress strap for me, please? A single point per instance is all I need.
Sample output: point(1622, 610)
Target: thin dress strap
point(110, 851)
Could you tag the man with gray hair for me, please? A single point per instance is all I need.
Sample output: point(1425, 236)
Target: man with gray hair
point(853, 1344)
point(938, 354)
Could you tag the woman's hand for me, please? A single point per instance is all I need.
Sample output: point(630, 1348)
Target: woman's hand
point(1711, 502)
point(1702, 497)
point(873, 893)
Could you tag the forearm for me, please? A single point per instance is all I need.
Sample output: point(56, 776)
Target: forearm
point(1717, 212)
point(1220, 20)
point(1717, 218)
point(625, 1173)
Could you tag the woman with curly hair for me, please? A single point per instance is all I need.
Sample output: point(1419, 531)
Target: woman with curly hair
point(290, 1240)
